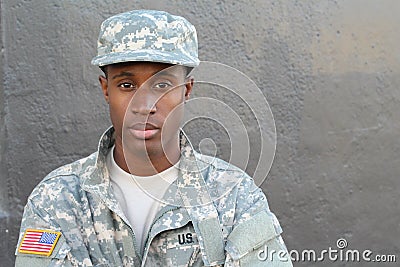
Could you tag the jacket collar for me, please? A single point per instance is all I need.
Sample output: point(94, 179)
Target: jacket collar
point(96, 177)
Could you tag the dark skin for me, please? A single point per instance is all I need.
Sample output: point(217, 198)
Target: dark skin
point(146, 108)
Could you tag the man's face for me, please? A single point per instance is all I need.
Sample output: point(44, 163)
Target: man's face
point(146, 104)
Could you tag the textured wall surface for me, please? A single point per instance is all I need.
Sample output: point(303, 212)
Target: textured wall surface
point(329, 69)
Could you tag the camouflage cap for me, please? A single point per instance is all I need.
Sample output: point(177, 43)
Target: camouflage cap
point(147, 35)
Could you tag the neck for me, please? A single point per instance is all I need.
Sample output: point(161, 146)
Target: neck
point(148, 164)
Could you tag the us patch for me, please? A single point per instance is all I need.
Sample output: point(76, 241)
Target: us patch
point(39, 242)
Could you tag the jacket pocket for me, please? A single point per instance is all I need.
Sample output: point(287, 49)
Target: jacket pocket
point(182, 248)
point(249, 241)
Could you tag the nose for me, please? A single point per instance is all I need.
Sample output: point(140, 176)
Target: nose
point(143, 101)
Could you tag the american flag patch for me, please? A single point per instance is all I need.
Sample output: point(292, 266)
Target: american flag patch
point(39, 242)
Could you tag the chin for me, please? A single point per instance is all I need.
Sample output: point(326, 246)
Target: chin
point(145, 147)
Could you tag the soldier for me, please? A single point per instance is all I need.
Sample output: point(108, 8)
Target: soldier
point(146, 198)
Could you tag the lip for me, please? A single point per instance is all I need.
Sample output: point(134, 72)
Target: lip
point(143, 131)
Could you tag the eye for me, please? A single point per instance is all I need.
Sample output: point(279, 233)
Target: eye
point(126, 85)
point(162, 85)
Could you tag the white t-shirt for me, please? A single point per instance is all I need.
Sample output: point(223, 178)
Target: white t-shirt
point(138, 195)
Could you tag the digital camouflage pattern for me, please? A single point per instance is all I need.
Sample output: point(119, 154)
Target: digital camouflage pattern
point(226, 224)
point(147, 35)
point(212, 215)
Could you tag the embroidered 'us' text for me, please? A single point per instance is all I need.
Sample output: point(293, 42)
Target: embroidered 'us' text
point(185, 238)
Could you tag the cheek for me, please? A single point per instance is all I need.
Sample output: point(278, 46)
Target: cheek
point(172, 99)
point(170, 104)
point(172, 112)
point(118, 107)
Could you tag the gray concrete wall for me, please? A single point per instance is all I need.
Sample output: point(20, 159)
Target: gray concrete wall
point(330, 71)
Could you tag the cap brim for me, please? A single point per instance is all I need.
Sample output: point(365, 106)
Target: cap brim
point(146, 56)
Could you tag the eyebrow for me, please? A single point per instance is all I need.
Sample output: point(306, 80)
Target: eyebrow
point(123, 74)
point(130, 74)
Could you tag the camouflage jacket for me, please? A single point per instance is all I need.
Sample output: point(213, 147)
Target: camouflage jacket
point(213, 215)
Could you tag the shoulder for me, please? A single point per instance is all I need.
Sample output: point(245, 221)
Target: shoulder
point(216, 170)
point(74, 168)
point(217, 165)
point(243, 210)
point(67, 178)
point(231, 187)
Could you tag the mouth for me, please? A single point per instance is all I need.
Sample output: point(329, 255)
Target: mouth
point(143, 131)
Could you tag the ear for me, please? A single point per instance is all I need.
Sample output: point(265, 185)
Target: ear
point(188, 87)
point(104, 87)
